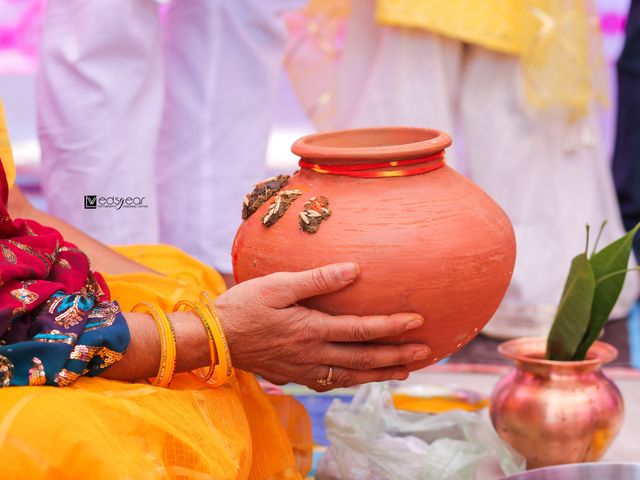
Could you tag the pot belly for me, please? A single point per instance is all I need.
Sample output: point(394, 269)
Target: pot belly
point(433, 244)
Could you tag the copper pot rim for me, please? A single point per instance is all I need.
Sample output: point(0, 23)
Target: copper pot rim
point(531, 350)
point(370, 144)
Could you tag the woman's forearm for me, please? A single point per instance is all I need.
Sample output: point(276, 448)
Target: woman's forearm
point(142, 357)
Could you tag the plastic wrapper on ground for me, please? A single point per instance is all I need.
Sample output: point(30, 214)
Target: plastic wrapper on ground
point(371, 440)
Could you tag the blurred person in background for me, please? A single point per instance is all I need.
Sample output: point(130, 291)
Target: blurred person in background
point(178, 117)
point(626, 157)
point(517, 83)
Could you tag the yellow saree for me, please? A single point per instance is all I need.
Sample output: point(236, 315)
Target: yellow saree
point(109, 429)
point(103, 429)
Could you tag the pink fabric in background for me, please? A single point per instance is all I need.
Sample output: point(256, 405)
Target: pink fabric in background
point(19, 29)
point(612, 22)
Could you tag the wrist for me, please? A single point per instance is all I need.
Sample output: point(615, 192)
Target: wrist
point(192, 341)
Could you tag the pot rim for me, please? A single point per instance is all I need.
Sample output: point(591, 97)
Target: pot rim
point(367, 144)
point(521, 350)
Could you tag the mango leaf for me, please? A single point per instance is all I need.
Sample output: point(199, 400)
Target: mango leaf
point(572, 317)
point(613, 258)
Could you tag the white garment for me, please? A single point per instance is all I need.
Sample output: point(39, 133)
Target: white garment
point(397, 77)
point(549, 176)
point(99, 97)
point(108, 97)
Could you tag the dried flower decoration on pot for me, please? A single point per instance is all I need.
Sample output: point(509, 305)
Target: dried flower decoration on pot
point(316, 210)
point(279, 206)
point(261, 193)
point(592, 288)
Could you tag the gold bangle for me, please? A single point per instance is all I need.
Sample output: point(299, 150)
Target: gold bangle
point(213, 376)
point(168, 347)
point(208, 302)
point(207, 323)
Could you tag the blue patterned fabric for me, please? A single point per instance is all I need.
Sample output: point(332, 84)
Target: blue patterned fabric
point(72, 335)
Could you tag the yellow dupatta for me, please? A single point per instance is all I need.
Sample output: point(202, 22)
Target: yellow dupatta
point(6, 155)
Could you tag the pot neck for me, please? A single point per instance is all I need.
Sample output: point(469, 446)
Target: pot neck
point(378, 152)
point(542, 368)
point(359, 168)
point(528, 354)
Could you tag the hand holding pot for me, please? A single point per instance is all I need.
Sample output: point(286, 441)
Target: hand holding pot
point(427, 239)
point(269, 334)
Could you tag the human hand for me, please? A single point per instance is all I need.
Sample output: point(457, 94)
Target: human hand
point(270, 335)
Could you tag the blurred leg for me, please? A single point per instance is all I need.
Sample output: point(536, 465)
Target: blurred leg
point(397, 76)
point(223, 61)
point(99, 103)
point(548, 187)
point(626, 159)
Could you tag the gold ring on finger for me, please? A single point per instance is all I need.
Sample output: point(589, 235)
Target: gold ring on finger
point(328, 380)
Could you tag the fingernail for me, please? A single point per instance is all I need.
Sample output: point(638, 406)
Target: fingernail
point(347, 272)
point(422, 354)
point(400, 376)
point(415, 323)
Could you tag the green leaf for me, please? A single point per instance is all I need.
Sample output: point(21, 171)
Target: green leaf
point(613, 258)
point(572, 317)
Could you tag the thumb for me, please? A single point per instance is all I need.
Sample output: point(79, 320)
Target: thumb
point(286, 288)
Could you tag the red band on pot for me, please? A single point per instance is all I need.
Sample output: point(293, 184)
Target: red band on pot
point(380, 169)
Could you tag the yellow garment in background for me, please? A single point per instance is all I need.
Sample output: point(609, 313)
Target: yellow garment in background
point(6, 156)
point(493, 24)
point(103, 429)
point(436, 404)
point(559, 41)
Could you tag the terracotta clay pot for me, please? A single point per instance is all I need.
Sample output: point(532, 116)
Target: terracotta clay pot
point(432, 242)
point(556, 412)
